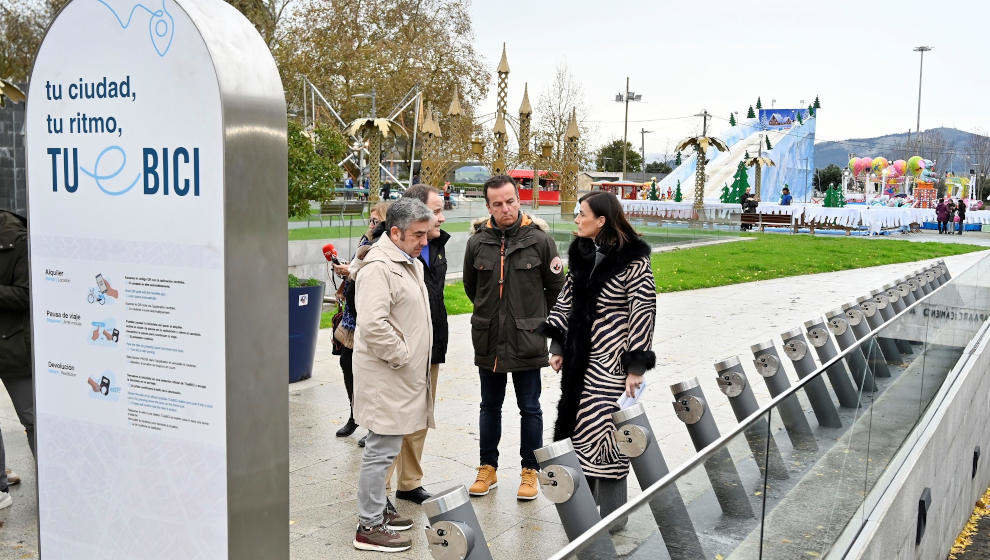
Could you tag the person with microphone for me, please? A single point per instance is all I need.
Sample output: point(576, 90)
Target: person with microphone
point(344, 332)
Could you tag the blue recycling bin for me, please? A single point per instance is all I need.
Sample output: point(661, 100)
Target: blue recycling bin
point(305, 306)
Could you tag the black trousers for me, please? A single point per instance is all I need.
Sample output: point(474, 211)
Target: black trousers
point(21, 391)
point(346, 360)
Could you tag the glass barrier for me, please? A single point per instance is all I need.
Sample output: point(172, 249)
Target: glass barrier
point(780, 485)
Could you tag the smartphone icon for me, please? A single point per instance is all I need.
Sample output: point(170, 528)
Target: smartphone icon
point(101, 283)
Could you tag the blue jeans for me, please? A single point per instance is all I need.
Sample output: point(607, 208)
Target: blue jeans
point(528, 387)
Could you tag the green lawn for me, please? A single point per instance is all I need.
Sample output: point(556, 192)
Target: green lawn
point(777, 256)
point(337, 232)
point(765, 257)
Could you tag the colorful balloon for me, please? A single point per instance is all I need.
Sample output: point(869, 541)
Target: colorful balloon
point(879, 164)
point(852, 165)
point(866, 164)
point(900, 166)
point(914, 165)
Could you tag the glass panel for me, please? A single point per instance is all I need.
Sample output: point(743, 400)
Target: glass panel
point(826, 468)
point(713, 509)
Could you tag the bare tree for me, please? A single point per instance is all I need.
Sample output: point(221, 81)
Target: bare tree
point(978, 153)
point(562, 95)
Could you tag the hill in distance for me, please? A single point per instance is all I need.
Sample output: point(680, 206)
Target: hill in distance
point(893, 146)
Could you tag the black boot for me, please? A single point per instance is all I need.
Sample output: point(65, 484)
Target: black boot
point(348, 428)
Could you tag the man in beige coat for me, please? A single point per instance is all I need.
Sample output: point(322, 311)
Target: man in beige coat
point(392, 344)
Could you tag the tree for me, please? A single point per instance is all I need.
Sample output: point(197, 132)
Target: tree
point(658, 167)
point(759, 104)
point(978, 147)
point(732, 119)
point(677, 160)
point(22, 26)
point(800, 120)
point(553, 111)
point(740, 182)
point(769, 147)
point(609, 157)
point(267, 17)
point(831, 175)
point(811, 110)
point(725, 196)
point(654, 194)
point(750, 114)
point(678, 196)
point(347, 47)
point(817, 103)
point(313, 169)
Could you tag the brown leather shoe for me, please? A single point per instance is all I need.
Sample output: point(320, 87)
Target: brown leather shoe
point(380, 539)
point(485, 481)
point(528, 488)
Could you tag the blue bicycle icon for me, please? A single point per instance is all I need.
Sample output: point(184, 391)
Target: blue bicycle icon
point(95, 296)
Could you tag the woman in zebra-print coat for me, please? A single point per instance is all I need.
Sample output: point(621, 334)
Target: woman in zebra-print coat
point(601, 331)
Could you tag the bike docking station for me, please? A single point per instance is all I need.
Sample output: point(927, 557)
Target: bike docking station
point(870, 306)
point(797, 350)
point(156, 155)
point(454, 532)
point(635, 439)
point(838, 375)
point(892, 295)
point(731, 379)
point(860, 329)
point(563, 482)
point(692, 409)
point(838, 325)
point(770, 368)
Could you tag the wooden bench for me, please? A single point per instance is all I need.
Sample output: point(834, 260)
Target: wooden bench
point(764, 220)
point(343, 207)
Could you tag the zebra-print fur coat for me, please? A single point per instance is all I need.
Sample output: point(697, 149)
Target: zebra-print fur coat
point(603, 319)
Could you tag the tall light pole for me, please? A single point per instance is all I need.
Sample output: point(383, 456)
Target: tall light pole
point(642, 145)
point(626, 98)
point(921, 67)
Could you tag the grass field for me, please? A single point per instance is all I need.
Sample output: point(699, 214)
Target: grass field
point(777, 256)
point(766, 257)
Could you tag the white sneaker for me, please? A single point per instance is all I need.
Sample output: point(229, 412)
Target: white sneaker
point(5, 500)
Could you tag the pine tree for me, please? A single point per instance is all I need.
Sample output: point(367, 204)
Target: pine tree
point(678, 197)
point(724, 197)
point(677, 160)
point(769, 147)
point(817, 104)
point(732, 119)
point(746, 155)
point(654, 194)
point(811, 110)
point(740, 181)
point(759, 104)
point(800, 120)
point(750, 114)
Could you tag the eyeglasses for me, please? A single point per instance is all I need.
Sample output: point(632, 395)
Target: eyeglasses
point(374, 222)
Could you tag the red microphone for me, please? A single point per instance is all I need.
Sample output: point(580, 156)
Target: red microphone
point(330, 253)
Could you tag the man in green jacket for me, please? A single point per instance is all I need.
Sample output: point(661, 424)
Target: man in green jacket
point(512, 274)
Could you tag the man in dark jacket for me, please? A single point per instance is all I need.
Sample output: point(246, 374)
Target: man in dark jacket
point(15, 333)
point(512, 274)
point(409, 462)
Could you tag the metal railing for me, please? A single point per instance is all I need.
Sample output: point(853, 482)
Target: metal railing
point(944, 348)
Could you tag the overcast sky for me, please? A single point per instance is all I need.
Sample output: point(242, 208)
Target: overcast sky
point(719, 55)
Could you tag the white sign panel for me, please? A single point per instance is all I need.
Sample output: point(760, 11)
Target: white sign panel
point(125, 171)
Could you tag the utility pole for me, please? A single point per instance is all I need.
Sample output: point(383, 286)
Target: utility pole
point(921, 67)
point(642, 145)
point(704, 121)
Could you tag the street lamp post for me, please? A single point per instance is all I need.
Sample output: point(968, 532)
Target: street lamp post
point(626, 98)
point(921, 67)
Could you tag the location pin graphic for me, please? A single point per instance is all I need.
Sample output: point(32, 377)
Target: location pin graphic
point(161, 26)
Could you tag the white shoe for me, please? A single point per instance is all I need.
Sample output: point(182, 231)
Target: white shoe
point(5, 500)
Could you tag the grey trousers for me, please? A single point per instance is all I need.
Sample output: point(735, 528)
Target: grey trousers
point(379, 453)
point(21, 391)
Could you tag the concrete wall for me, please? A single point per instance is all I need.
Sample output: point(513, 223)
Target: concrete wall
point(941, 460)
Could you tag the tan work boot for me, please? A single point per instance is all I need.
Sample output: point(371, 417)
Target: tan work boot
point(528, 488)
point(485, 481)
